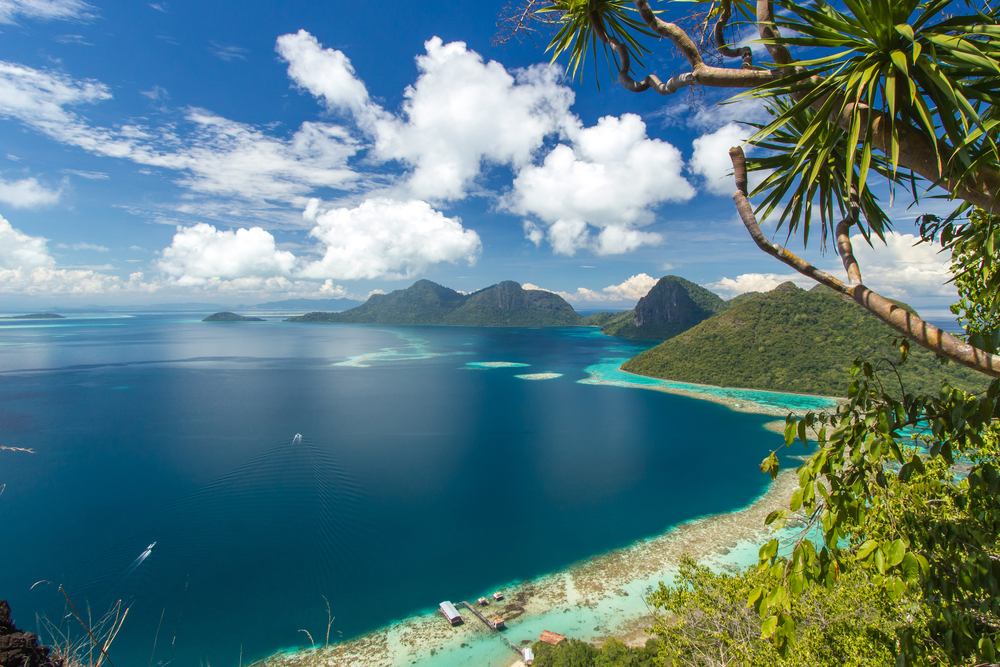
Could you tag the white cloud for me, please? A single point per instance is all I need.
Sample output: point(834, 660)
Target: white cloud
point(27, 193)
point(326, 73)
point(632, 289)
point(26, 267)
point(90, 246)
point(757, 282)
point(462, 112)
point(44, 10)
point(201, 254)
point(228, 52)
point(216, 156)
point(382, 238)
point(533, 232)
point(903, 270)
point(20, 251)
point(711, 160)
point(610, 178)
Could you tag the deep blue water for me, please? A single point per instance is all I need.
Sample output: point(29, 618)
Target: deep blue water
point(419, 478)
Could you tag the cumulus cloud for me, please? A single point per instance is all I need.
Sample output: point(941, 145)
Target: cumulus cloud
point(326, 73)
point(462, 112)
point(632, 289)
point(202, 253)
point(27, 193)
point(45, 10)
point(611, 178)
point(26, 267)
point(383, 238)
point(757, 282)
point(903, 270)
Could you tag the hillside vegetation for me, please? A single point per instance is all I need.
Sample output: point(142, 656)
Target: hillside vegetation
point(792, 340)
point(425, 302)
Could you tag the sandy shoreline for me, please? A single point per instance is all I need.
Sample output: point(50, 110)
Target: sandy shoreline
point(593, 600)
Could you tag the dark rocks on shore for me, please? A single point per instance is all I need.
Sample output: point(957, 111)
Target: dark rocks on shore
point(21, 649)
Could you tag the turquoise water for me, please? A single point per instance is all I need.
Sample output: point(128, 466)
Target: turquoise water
point(427, 470)
point(607, 372)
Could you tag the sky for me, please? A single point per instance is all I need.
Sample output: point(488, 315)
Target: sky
point(241, 152)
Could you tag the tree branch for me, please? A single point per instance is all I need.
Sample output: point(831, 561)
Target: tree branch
point(700, 74)
point(901, 320)
point(744, 52)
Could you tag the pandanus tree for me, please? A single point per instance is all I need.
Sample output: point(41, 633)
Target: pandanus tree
point(864, 95)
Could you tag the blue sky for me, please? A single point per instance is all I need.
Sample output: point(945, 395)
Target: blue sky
point(239, 152)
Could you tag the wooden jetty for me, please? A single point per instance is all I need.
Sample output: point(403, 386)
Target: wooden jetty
point(498, 625)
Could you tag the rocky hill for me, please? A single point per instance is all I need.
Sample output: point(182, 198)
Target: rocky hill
point(425, 302)
point(672, 306)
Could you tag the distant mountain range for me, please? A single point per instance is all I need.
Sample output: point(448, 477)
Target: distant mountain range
point(793, 340)
point(426, 302)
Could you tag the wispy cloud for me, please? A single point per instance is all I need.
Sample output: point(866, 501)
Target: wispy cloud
point(44, 10)
point(228, 52)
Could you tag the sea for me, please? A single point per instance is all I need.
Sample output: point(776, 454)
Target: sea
point(238, 486)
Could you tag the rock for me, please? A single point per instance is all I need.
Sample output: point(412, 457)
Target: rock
point(21, 649)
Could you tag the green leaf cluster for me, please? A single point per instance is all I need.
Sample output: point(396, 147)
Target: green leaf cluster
point(904, 490)
point(975, 255)
point(704, 619)
point(577, 20)
point(914, 63)
point(575, 653)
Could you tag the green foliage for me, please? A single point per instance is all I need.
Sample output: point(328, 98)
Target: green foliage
point(975, 253)
point(907, 492)
point(601, 319)
point(671, 307)
point(575, 653)
point(911, 61)
point(424, 302)
point(703, 620)
point(823, 151)
point(577, 34)
point(792, 340)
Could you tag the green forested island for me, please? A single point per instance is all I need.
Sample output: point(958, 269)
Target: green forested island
point(425, 302)
point(793, 340)
point(231, 317)
point(34, 316)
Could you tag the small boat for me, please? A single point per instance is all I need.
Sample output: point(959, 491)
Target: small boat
point(297, 439)
point(498, 596)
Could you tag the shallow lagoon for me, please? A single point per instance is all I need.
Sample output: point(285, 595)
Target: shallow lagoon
point(427, 471)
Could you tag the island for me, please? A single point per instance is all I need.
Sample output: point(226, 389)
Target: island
point(425, 302)
point(34, 316)
point(794, 341)
point(231, 317)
